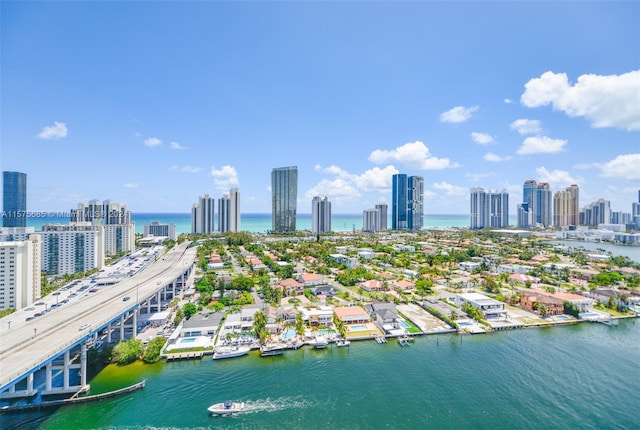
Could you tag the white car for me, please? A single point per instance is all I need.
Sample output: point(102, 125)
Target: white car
point(84, 326)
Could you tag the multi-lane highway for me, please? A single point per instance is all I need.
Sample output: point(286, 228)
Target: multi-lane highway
point(31, 344)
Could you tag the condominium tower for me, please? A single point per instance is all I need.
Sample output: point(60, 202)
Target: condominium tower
point(20, 274)
point(284, 198)
point(566, 207)
point(407, 202)
point(119, 229)
point(229, 211)
point(14, 199)
point(489, 209)
point(544, 200)
point(320, 215)
point(382, 209)
point(202, 215)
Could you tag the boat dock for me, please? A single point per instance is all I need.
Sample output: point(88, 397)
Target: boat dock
point(381, 339)
point(74, 399)
point(185, 356)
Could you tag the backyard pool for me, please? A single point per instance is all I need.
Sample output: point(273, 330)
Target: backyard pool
point(358, 327)
point(288, 334)
point(187, 340)
point(403, 324)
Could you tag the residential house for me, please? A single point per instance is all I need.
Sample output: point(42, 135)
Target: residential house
point(310, 279)
point(291, 287)
point(352, 315)
point(404, 286)
point(324, 290)
point(320, 317)
point(554, 305)
point(372, 285)
point(490, 308)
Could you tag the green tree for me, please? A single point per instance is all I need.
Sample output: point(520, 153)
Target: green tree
point(151, 353)
point(126, 352)
point(189, 309)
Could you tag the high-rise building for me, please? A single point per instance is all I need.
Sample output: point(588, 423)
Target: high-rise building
point(574, 205)
point(489, 209)
point(229, 211)
point(14, 199)
point(371, 220)
point(202, 215)
point(544, 200)
point(20, 273)
point(527, 210)
point(565, 205)
point(284, 198)
point(399, 202)
point(320, 215)
point(160, 230)
point(119, 229)
point(598, 212)
point(415, 201)
point(72, 248)
point(382, 208)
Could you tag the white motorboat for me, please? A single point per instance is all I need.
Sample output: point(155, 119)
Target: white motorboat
point(226, 408)
point(230, 351)
point(343, 342)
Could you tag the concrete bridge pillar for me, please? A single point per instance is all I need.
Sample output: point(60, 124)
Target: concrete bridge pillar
point(135, 322)
point(158, 301)
point(48, 383)
point(109, 333)
point(65, 371)
point(83, 365)
point(122, 320)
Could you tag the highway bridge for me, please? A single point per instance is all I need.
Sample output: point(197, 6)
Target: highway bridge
point(57, 341)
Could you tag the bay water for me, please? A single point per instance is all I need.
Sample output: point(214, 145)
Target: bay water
point(584, 376)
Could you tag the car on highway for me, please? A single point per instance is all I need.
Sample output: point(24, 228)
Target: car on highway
point(124, 299)
point(84, 326)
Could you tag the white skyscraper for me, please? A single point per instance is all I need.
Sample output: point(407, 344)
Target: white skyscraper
point(119, 229)
point(489, 209)
point(20, 273)
point(72, 248)
point(371, 220)
point(320, 215)
point(229, 211)
point(160, 230)
point(202, 215)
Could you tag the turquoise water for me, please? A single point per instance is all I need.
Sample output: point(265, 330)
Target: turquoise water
point(188, 340)
point(260, 223)
point(357, 327)
point(580, 376)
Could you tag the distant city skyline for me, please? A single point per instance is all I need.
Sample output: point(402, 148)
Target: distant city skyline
point(209, 96)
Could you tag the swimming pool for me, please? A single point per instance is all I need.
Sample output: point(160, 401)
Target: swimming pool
point(358, 327)
point(288, 334)
point(404, 324)
point(188, 340)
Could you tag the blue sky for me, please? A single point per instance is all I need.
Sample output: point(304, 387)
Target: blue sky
point(155, 103)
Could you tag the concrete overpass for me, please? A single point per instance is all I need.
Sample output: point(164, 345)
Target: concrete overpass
point(59, 338)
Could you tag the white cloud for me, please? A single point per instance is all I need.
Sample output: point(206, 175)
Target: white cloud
point(623, 166)
point(482, 138)
point(527, 126)
point(541, 145)
point(176, 145)
point(508, 101)
point(372, 180)
point(152, 141)
point(186, 169)
point(490, 156)
point(557, 178)
point(131, 185)
point(458, 114)
point(337, 189)
point(53, 132)
point(414, 155)
point(450, 190)
point(224, 178)
point(605, 100)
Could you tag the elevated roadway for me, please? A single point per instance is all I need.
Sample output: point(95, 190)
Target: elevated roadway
point(28, 347)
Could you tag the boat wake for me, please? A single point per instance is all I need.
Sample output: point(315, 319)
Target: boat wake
point(273, 405)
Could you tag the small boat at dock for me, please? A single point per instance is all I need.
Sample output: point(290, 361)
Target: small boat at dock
point(230, 352)
point(343, 342)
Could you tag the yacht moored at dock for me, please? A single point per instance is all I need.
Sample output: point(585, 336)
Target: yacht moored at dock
point(230, 351)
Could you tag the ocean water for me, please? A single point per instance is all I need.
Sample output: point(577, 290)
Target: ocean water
point(580, 376)
point(260, 223)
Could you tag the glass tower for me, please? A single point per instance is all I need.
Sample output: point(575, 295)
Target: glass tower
point(399, 202)
point(284, 198)
point(14, 199)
